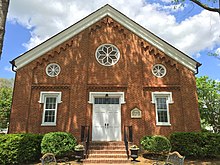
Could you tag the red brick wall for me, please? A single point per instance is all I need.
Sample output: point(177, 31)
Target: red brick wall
point(81, 74)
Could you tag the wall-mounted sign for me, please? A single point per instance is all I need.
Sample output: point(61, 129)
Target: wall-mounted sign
point(135, 113)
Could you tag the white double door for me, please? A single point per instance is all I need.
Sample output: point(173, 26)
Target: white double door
point(106, 122)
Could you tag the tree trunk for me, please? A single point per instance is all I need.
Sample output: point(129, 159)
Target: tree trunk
point(3, 14)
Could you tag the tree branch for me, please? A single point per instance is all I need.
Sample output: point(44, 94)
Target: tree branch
point(206, 7)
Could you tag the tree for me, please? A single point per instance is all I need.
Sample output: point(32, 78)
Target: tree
point(209, 102)
point(5, 101)
point(208, 5)
point(3, 14)
point(217, 55)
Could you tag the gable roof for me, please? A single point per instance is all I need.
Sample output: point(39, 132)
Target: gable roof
point(104, 11)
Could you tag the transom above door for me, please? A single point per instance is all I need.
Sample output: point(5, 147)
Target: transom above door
point(106, 100)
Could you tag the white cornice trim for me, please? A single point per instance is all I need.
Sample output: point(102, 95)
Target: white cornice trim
point(43, 94)
point(93, 18)
point(164, 94)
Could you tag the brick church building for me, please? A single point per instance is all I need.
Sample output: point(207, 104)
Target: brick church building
point(107, 72)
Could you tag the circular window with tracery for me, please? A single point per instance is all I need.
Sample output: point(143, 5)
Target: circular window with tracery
point(159, 70)
point(107, 54)
point(53, 70)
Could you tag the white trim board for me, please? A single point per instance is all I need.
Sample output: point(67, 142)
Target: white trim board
point(106, 10)
point(93, 95)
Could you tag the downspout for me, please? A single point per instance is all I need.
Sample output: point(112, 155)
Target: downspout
point(197, 68)
point(13, 65)
point(13, 69)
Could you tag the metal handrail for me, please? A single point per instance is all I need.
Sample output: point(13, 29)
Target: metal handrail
point(130, 133)
point(85, 137)
point(128, 137)
point(87, 141)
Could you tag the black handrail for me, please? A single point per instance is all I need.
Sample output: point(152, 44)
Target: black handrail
point(82, 133)
point(126, 142)
point(130, 133)
point(128, 137)
point(87, 141)
point(85, 138)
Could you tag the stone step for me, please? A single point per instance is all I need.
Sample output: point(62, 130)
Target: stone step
point(108, 156)
point(106, 147)
point(107, 151)
point(106, 161)
point(107, 143)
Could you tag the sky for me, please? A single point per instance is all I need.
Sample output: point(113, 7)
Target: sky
point(189, 28)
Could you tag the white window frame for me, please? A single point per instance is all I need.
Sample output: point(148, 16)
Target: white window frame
point(161, 67)
point(43, 97)
point(107, 55)
point(53, 65)
point(169, 100)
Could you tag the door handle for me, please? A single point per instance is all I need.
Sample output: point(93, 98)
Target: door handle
point(106, 125)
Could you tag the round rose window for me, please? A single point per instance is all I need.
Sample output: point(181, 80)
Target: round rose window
point(159, 70)
point(53, 70)
point(107, 54)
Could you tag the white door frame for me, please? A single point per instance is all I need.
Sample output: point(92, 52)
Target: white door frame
point(93, 95)
point(120, 95)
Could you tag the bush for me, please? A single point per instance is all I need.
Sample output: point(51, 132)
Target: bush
point(196, 145)
point(20, 148)
point(156, 144)
point(58, 143)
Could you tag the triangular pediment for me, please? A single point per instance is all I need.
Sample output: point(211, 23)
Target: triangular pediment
point(106, 10)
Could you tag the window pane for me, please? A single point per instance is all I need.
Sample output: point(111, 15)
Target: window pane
point(50, 102)
point(49, 116)
point(107, 55)
point(106, 100)
point(50, 108)
point(161, 103)
point(162, 109)
point(162, 116)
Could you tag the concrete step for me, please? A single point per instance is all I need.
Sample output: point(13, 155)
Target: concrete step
point(104, 155)
point(107, 142)
point(107, 151)
point(106, 147)
point(106, 161)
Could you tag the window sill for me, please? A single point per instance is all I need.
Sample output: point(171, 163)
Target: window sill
point(168, 125)
point(48, 124)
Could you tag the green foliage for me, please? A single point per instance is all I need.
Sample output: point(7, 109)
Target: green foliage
point(197, 145)
point(7, 83)
point(19, 148)
point(216, 55)
point(5, 101)
point(156, 144)
point(209, 102)
point(58, 143)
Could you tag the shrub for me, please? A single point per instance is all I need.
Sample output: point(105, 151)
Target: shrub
point(196, 144)
point(58, 143)
point(20, 148)
point(156, 144)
